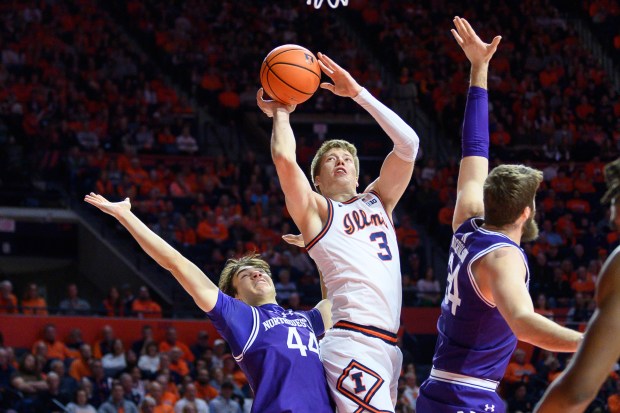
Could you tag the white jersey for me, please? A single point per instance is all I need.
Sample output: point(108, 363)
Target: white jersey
point(357, 253)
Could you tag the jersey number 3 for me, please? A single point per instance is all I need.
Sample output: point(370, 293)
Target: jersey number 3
point(381, 240)
point(294, 341)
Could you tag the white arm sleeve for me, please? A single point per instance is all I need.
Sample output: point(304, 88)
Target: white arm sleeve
point(406, 141)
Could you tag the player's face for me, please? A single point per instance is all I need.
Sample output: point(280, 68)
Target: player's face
point(254, 286)
point(337, 169)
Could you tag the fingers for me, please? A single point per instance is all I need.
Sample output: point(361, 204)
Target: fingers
point(328, 86)
point(329, 72)
point(328, 62)
point(470, 31)
point(91, 199)
point(294, 240)
point(460, 27)
point(495, 43)
point(260, 96)
point(458, 38)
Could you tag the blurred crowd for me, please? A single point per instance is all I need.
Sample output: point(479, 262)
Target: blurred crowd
point(111, 375)
point(88, 108)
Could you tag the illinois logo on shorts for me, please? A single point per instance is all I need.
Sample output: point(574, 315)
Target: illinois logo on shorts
point(359, 384)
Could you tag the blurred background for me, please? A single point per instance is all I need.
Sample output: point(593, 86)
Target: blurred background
point(156, 101)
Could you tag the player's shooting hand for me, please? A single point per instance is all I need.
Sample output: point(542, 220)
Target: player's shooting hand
point(112, 208)
point(269, 107)
point(475, 49)
point(294, 240)
point(344, 84)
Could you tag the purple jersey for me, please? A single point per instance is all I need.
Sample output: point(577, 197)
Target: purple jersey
point(278, 351)
point(474, 339)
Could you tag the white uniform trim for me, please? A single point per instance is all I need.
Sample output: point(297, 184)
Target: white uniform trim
point(253, 335)
point(462, 380)
point(471, 275)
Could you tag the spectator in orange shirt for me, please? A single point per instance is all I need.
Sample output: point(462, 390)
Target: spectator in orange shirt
point(203, 388)
point(177, 365)
point(594, 169)
point(445, 221)
point(80, 367)
point(613, 401)
point(583, 184)
point(56, 349)
point(33, 303)
point(8, 301)
point(112, 305)
point(137, 174)
point(170, 392)
point(562, 184)
point(518, 370)
point(577, 204)
point(144, 306)
point(584, 283)
point(500, 137)
point(155, 393)
point(184, 234)
point(172, 341)
point(229, 97)
point(211, 230)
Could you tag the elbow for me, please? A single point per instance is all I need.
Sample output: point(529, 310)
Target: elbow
point(173, 262)
point(282, 159)
point(521, 327)
point(570, 398)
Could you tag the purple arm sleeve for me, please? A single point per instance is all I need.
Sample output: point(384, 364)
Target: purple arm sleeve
point(476, 124)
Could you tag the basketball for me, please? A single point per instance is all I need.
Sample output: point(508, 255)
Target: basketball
point(290, 74)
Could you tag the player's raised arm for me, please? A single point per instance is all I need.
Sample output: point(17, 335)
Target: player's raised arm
point(397, 168)
point(301, 200)
point(475, 145)
point(194, 281)
point(579, 384)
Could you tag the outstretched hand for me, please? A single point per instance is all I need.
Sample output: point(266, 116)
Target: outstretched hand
point(344, 84)
point(294, 240)
point(475, 49)
point(269, 107)
point(112, 208)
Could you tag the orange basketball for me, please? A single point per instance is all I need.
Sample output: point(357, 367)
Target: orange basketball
point(290, 74)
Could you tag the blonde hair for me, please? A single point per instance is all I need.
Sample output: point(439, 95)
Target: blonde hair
point(325, 147)
point(233, 266)
point(507, 191)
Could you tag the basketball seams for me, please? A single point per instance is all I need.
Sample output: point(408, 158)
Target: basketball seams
point(272, 92)
point(286, 78)
point(303, 49)
point(286, 83)
point(296, 65)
